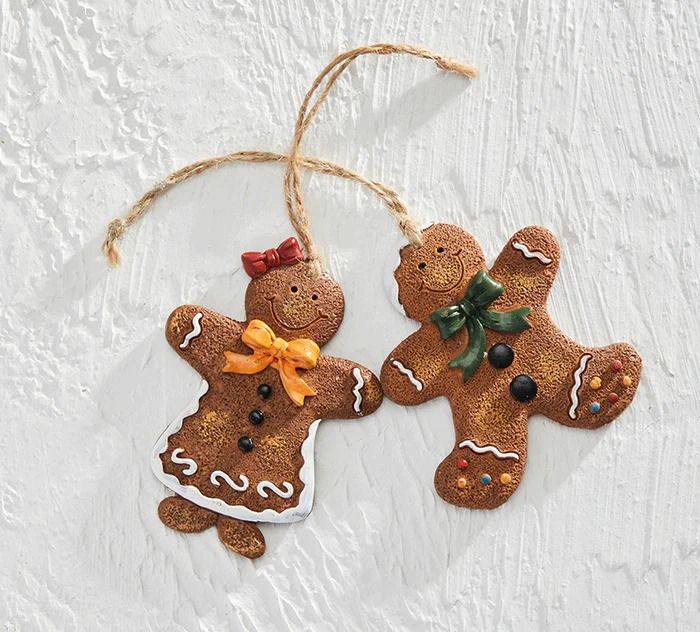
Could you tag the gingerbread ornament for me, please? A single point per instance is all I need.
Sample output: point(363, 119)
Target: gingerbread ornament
point(243, 452)
point(488, 345)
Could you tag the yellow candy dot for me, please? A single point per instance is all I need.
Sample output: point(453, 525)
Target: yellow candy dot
point(506, 478)
point(627, 381)
point(461, 483)
point(596, 383)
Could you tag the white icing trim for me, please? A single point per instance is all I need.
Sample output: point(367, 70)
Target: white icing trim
point(217, 474)
point(191, 493)
point(417, 384)
point(482, 449)
point(263, 485)
point(578, 380)
point(532, 254)
point(359, 384)
point(190, 463)
point(196, 330)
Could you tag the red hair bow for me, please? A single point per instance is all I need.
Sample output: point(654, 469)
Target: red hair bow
point(287, 253)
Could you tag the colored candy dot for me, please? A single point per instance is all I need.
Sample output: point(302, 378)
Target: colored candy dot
point(485, 479)
point(596, 383)
point(462, 464)
point(613, 397)
point(506, 478)
point(595, 407)
point(616, 366)
point(627, 381)
point(461, 483)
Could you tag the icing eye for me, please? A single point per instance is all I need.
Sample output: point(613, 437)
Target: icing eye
point(295, 289)
point(422, 265)
point(314, 297)
point(440, 249)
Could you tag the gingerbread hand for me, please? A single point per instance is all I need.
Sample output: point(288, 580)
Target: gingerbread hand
point(201, 337)
point(345, 389)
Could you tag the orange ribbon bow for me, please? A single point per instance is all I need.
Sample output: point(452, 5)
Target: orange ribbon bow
point(269, 350)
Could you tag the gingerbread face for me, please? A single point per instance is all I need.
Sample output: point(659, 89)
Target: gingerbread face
point(296, 304)
point(437, 272)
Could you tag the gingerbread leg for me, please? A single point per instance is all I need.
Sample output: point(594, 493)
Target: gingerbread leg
point(487, 463)
point(241, 537)
point(181, 515)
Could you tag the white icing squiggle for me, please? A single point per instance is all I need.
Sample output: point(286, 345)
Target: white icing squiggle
point(578, 374)
point(218, 474)
point(482, 449)
point(417, 384)
point(359, 383)
point(287, 493)
point(196, 330)
point(532, 254)
point(190, 463)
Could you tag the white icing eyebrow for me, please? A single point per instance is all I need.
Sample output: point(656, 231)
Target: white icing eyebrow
point(532, 254)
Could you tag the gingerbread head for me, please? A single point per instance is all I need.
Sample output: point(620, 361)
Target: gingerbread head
point(243, 451)
point(487, 343)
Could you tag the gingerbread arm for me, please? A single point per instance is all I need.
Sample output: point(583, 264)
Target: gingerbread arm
point(201, 336)
point(526, 267)
point(589, 386)
point(344, 389)
point(417, 369)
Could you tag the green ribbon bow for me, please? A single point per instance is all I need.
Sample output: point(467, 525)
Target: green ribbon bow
point(471, 312)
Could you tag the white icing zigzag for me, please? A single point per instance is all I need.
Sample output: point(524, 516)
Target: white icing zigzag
point(196, 330)
point(489, 448)
point(359, 383)
point(218, 474)
point(287, 493)
point(417, 384)
point(532, 254)
point(190, 463)
point(578, 374)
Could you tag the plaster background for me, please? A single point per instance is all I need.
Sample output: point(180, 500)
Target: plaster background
point(585, 119)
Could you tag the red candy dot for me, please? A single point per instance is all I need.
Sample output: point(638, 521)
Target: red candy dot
point(616, 366)
point(462, 464)
point(613, 397)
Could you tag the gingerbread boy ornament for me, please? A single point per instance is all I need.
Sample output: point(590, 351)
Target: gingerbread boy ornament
point(487, 343)
point(243, 452)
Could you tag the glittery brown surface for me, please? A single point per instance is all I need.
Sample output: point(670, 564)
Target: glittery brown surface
point(484, 411)
point(295, 305)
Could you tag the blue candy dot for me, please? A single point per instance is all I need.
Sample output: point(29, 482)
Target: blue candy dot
point(595, 407)
point(485, 479)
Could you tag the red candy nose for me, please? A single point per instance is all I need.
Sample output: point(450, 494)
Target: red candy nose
point(462, 464)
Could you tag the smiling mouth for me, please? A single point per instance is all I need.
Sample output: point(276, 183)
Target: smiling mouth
point(423, 284)
point(281, 322)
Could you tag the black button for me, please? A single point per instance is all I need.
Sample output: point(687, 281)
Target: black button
point(500, 355)
point(264, 390)
point(256, 417)
point(245, 444)
point(523, 388)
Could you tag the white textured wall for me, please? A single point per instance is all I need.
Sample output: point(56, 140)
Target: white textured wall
point(585, 119)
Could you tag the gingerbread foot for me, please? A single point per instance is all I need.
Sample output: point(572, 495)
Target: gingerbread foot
point(241, 537)
point(181, 515)
point(479, 475)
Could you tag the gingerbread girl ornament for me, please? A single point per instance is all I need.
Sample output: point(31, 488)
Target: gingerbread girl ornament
point(244, 451)
point(488, 345)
